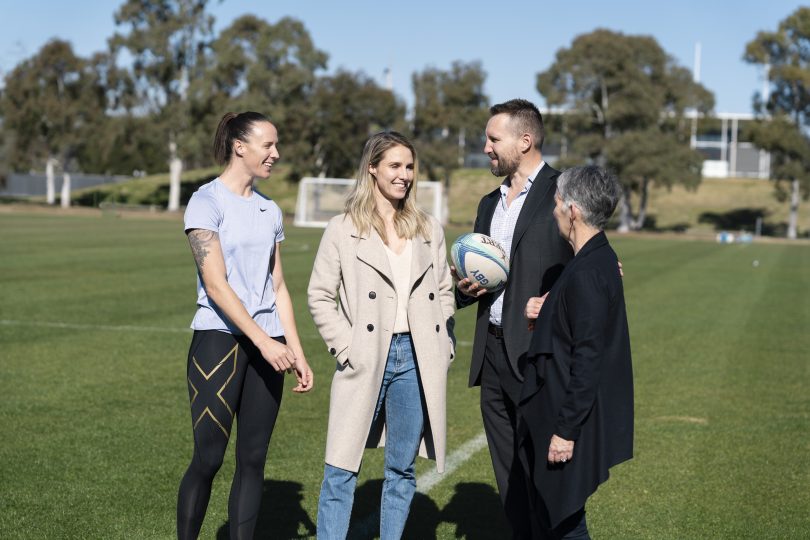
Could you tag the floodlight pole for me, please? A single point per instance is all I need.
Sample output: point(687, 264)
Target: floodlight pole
point(695, 78)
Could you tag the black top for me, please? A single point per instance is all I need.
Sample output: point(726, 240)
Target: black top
point(579, 380)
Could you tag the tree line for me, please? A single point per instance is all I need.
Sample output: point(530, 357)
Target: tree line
point(150, 100)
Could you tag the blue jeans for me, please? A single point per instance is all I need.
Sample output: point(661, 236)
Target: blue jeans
point(401, 399)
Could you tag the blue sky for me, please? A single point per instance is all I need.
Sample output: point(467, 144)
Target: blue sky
point(514, 40)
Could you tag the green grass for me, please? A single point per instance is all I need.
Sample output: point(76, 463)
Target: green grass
point(96, 428)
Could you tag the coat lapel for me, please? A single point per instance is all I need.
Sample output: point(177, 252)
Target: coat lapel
point(541, 188)
point(487, 211)
point(370, 250)
point(421, 260)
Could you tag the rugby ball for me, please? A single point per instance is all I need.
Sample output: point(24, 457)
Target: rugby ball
point(482, 259)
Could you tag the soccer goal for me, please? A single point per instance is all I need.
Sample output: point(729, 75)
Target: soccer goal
point(320, 199)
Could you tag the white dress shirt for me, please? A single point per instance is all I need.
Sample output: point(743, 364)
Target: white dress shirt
point(502, 229)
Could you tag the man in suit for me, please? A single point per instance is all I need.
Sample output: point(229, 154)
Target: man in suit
point(518, 214)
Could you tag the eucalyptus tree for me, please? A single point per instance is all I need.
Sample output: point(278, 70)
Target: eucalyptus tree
point(167, 41)
point(348, 108)
point(51, 105)
point(624, 99)
point(268, 67)
point(449, 107)
point(786, 53)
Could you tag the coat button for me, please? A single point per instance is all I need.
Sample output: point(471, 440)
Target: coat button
point(372, 295)
point(437, 327)
point(431, 296)
point(370, 327)
point(332, 351)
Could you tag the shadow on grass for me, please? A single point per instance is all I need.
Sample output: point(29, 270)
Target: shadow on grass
point(474, 509)
point(651, 224)
point(740, 219)
point(423, 518)
point(281, 514)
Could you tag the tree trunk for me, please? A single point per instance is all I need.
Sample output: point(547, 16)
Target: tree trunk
point(50, 182)
point(65, 194)
point(638, 223)
point(462, 146)
point(625, 212)
point(794, 209)
point(564, 146)
point(319, 160)
point(175, 168)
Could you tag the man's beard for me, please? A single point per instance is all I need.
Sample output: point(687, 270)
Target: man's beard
point(507, 166)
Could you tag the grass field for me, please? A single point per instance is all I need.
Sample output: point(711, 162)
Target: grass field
point(97, 433)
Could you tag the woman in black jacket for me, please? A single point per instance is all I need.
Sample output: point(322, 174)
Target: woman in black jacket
point(577, 396)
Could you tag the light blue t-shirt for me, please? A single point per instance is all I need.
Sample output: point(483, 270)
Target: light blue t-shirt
point(248, 229)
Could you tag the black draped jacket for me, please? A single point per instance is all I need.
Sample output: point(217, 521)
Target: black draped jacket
point(579, 381)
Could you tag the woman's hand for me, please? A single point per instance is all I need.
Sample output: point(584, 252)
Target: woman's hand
point(533, 307)
point(303, 373)
point(277, 354)
point(560, 450)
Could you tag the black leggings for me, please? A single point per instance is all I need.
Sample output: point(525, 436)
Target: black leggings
point(227, 377)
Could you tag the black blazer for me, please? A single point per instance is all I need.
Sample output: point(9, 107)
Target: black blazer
point(579, 381)
point(536, 259)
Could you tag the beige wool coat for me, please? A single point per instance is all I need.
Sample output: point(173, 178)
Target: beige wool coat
point(353, 302)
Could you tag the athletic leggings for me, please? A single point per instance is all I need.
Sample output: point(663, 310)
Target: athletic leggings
point(227, 377)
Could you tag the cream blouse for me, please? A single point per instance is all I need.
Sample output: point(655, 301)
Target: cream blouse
point(401, 270)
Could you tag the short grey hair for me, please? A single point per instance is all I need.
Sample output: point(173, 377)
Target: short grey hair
point(593, 190)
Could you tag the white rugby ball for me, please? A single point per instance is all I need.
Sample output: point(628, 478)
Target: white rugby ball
point(482, 259)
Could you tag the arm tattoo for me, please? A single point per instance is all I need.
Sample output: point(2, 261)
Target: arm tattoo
point(200, 240)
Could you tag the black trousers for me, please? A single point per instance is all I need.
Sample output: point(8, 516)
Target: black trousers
point(227, 378)
point(500, 390)
point(574, 527)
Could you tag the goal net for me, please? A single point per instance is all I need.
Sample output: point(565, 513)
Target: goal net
point(320, 199)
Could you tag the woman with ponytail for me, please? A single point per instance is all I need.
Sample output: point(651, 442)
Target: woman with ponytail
point(245, 337)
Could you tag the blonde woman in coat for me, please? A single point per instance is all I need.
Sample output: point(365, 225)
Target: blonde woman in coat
point(382, 298)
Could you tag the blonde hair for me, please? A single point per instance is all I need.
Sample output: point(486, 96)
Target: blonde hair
point(361, 206)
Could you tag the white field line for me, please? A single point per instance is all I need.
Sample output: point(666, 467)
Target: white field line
point(121, 328)
point(460, 455)
point(424, 483)
point(113, 328)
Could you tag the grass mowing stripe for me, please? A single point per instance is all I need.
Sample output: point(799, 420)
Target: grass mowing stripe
point(694, 357)
point(113, 328)
point(769, 376)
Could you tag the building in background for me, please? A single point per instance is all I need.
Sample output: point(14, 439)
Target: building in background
point(720, 138)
